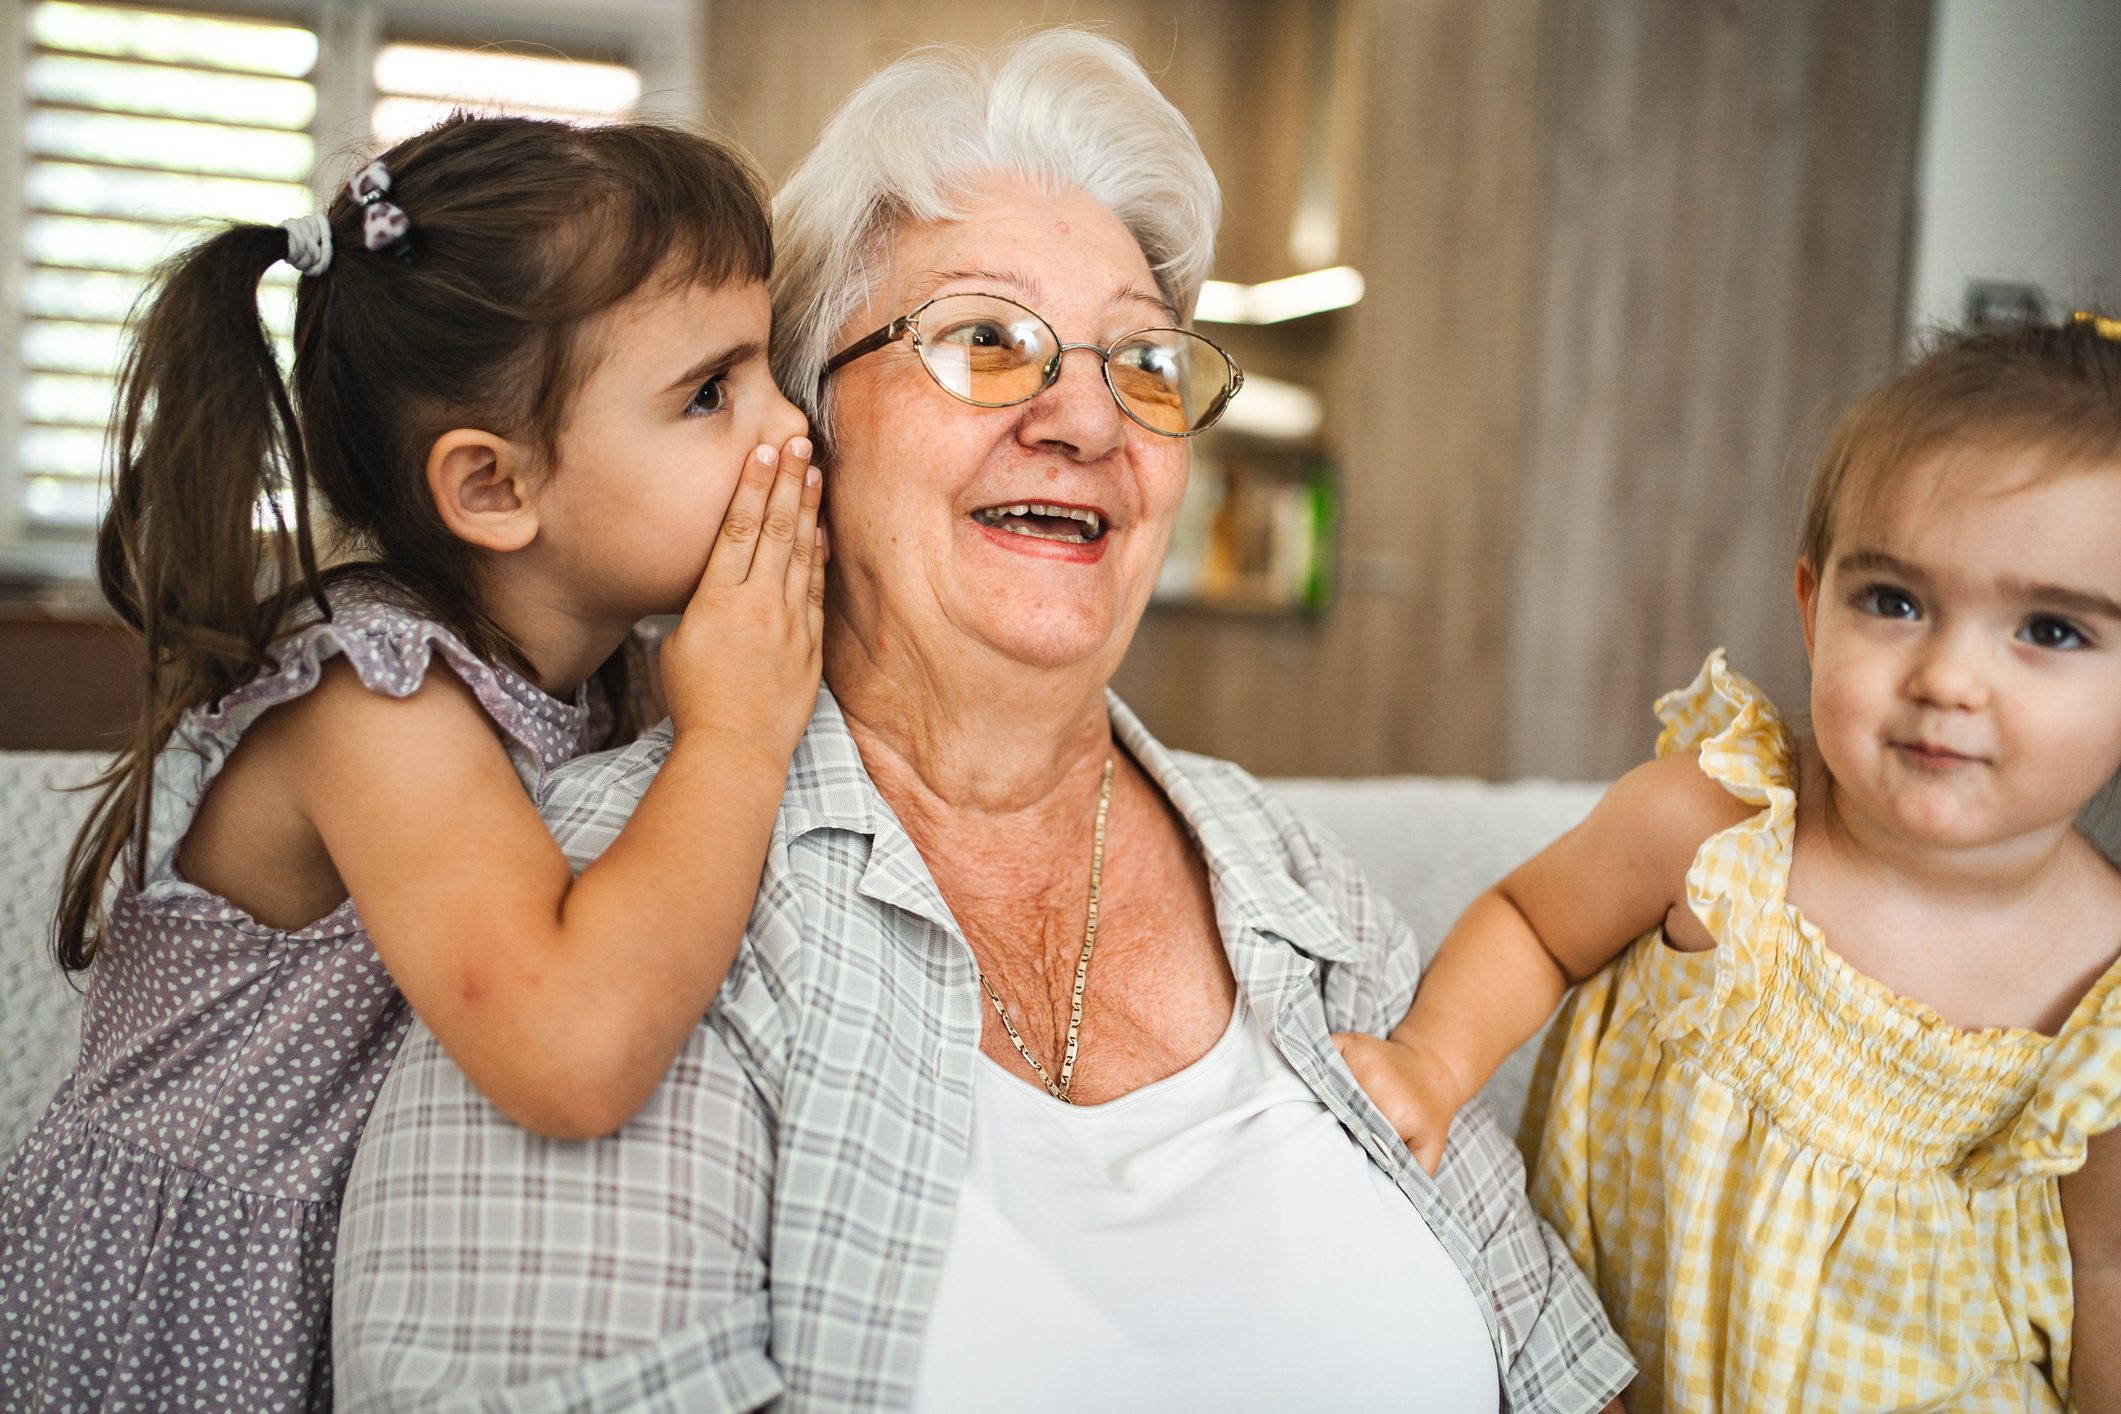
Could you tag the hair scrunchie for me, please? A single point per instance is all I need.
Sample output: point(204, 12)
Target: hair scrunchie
point(383, 224)
point(309, 243)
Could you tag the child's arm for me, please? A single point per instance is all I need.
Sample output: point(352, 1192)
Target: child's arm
point(1558, 918)
point(566, 998)
point(2091, 1212)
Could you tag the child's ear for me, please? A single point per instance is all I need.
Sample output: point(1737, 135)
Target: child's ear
point(481, 489)
point(1807, 603)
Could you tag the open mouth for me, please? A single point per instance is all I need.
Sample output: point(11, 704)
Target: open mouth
point(1071, 525)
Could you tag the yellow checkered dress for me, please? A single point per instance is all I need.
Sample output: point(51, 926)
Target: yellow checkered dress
point(1795, 1189)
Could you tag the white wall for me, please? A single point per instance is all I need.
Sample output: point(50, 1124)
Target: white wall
point(2021, 161)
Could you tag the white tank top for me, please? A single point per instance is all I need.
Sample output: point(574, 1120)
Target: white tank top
point(1214, 1240)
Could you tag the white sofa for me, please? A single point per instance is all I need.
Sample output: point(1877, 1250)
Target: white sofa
point(39, 1007)
point(1429, 845)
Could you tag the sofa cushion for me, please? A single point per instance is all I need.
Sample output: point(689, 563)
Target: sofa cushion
point(40, 1009)
point(1431, 845)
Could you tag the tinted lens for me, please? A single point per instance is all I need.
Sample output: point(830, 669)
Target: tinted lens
point(986, 350)
point(1171, 381)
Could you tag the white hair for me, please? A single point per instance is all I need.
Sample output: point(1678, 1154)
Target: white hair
point(1062, 107)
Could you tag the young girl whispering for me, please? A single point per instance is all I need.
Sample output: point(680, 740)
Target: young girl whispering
point(1829, 1116)
point(529, 381)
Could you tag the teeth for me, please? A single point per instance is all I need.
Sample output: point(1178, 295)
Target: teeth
point(1044, 535)
point(998, 516)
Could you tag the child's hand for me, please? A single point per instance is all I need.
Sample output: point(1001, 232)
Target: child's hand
point(1414, 1088)
point(744, 660)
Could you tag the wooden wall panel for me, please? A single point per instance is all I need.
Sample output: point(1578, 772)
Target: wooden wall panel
point(777, 68)
point(1720, 261)
point(1624, 258)
point(1403, 674)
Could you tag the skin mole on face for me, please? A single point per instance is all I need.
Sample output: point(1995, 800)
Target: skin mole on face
point(1061, 226)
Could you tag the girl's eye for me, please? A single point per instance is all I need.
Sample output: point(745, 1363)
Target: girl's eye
point(712, 397)
point(2047, 631)
point(1888, 603)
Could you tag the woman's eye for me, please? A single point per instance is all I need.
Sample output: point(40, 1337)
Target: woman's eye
point(2047, 631)
point(976, 334)
point(712, 397)
point(1888, 603)
point(1019, 340)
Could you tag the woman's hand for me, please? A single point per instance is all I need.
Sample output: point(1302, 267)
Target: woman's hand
point(1416, 1090)
point(744, 661)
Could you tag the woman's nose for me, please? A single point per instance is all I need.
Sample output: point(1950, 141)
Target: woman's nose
point(1077, 412)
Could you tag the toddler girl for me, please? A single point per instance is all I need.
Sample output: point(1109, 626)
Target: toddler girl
point(1834, 1130)
point(529, 376)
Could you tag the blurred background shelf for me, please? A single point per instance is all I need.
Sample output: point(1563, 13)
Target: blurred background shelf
point(1256, 532)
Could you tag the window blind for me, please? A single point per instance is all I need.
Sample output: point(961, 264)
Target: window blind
point(418, 85)
point(143, 128)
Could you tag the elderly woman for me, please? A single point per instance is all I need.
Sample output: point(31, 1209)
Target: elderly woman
point(1021, 1089)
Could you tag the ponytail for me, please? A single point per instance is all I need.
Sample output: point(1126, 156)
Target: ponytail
point(204, 435)
point(501, 238)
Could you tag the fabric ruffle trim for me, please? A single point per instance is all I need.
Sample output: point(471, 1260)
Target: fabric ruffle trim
point(391, 649)
point(2078, 1095)
point(1744, 747)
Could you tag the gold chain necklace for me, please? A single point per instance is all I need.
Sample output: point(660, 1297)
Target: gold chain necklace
point(1059, 1089)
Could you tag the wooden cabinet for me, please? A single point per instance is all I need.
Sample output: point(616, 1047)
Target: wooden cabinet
point(68, 681)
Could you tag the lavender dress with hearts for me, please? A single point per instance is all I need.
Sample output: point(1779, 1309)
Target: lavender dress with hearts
point(167, 1229)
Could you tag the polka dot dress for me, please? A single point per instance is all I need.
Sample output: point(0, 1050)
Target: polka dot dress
point(166, 1230)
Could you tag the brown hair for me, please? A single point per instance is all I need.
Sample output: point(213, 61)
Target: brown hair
point(2054, 389)
point(521, 230)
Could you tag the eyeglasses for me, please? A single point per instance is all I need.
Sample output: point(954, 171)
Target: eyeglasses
point(994, 353)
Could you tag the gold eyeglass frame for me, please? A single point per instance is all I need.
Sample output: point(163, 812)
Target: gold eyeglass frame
point(909, 323)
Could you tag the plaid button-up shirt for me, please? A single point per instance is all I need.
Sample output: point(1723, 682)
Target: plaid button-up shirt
point(772, 1225)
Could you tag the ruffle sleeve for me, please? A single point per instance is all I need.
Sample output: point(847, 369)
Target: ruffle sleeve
point(390, 649)
point(1739, 879)
point(2077, 1096)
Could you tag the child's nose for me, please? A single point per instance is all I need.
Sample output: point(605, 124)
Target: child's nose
point(782, 421)
point(1952, 672)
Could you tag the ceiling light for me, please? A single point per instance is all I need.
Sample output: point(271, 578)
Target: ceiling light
point(1272, 301)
